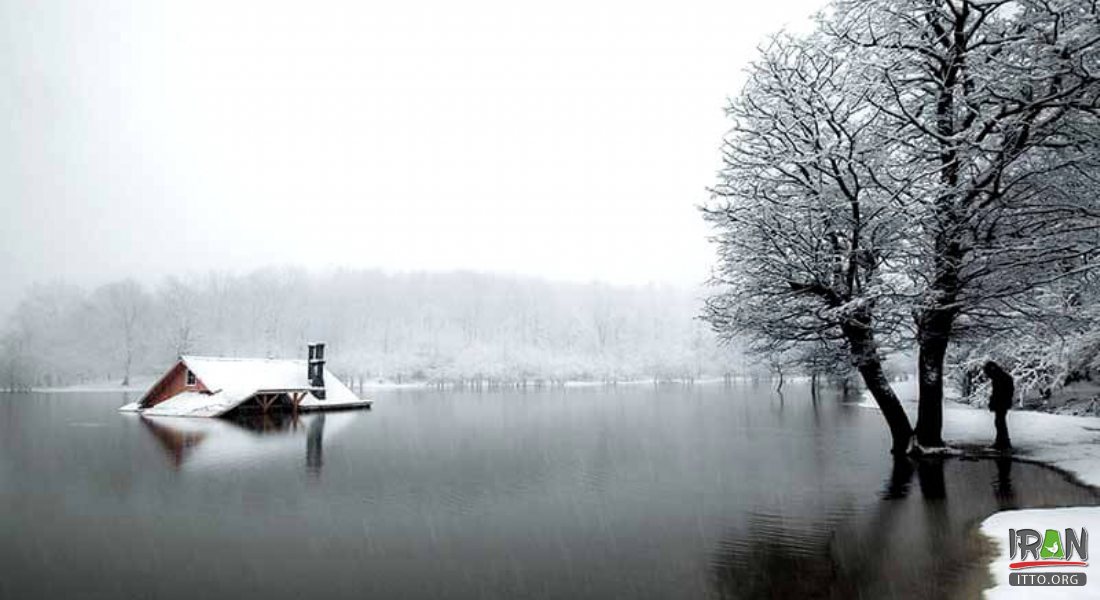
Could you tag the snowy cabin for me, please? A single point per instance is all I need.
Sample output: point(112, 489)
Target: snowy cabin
point(204, 386)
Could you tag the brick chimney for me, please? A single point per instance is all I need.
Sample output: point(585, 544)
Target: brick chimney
point(315, 368)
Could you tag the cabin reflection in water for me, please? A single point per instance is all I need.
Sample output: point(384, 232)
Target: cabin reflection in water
point(176, 443)
point(247, 437)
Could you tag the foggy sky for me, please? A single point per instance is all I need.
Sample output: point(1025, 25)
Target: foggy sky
point(569, 140)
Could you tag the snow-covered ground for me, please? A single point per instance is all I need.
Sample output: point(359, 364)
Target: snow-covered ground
point(1069, 443)
point(1066, 442)
point(1063, 441)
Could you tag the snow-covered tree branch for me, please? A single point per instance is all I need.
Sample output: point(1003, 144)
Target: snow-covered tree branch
point(807, 242)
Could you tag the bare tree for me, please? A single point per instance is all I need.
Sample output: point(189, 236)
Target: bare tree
point(179, 303)
point(125, 305)
point(448, 326)
point(989, 121)
point(805, 237)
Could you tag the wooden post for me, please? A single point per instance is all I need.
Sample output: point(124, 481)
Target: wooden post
point(266, 400)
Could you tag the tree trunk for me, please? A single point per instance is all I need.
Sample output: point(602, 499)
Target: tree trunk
point(934, 331)
point(930, 406)
point(935, 322)
point(896, 419)
point(866, 359)
point(126, 371)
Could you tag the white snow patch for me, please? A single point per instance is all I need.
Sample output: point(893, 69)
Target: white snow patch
point(195, 404)
point(1067, 442)
point(251, 374)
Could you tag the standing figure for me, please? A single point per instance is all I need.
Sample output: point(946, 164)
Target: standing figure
point(1000, 400)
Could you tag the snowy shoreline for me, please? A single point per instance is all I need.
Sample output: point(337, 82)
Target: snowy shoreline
point(1067, 443)
point(1070, 444)
point(141, 384)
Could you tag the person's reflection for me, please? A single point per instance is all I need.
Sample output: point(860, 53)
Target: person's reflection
point(315, 445)
point(1002, 485)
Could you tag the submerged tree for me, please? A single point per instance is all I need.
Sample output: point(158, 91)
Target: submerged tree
point(806, 240)
point(962, 134)
point(991, 122)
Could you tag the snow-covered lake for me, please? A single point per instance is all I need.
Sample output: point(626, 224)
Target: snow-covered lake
point(629, 492)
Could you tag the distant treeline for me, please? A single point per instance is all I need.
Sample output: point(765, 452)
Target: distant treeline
point(441, 327)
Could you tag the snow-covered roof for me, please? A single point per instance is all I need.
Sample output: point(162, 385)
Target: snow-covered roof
point(231, 381)
point(196, 404)
point(219, 373)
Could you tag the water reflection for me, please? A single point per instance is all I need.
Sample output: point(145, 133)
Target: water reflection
point(1002, 485)
point(930, 477)
point(315, 446)
point(780, 560)
point(897, 486)
point(888, 549)
point(244, 438)
point(639, 492)
point(177, 443)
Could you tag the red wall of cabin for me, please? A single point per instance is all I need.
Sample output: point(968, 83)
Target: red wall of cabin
point(174, 382)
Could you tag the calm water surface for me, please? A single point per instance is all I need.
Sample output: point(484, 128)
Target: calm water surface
point(634, 492)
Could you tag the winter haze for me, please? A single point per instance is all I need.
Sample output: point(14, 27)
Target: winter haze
point(715, 299)
point(564, 140)
point(244, 155)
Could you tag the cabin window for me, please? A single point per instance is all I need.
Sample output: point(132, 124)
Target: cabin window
point(191, 380)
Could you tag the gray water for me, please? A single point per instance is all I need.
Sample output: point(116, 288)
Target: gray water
point(629, 492)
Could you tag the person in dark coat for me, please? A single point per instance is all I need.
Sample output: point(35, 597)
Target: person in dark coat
point(1000, 401)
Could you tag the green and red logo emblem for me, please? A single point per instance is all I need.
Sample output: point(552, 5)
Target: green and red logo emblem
point(1049, 549)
